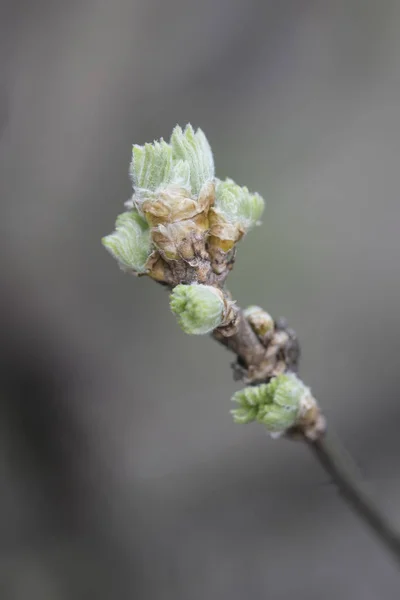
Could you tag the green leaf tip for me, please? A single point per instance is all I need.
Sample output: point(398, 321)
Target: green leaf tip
point(130, 244)
point(193, 148)
point(277, 405)
point(249, 399)
point(238, 205)
point(151, 165)
point(186, 162)
point(199, 308)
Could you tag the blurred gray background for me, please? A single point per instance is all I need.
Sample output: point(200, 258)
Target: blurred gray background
point(121, 472)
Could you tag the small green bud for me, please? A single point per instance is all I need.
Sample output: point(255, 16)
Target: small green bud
point(193, 148)
point(249, 399)
point(235, 212)
point(199, 308)
point(278, 405)
point(237, 204)
point(130, 244)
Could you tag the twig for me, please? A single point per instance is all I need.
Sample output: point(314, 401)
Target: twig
point(330, 455)
point(244, 343)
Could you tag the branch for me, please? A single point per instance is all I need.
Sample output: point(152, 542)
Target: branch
point(330, 456)
point(181, 229)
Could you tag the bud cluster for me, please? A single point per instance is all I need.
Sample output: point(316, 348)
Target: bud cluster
point(182, 224)
point(190, 220)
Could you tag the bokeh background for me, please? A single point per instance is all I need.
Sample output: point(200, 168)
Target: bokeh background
point(121, 472)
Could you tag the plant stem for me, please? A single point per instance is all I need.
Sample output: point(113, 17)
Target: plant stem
point(244, 343)
point(329, 453)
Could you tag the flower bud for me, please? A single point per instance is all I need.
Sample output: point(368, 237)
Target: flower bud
point(199, 308)
point(130, 244)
